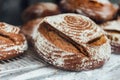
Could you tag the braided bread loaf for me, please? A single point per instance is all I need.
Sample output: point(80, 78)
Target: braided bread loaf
point(12, 42)
point(71, 42)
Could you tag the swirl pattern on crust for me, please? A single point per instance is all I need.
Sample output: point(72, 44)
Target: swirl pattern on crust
point(69, 46)
point(81, 30)
point(12, 42)
point(78, 23)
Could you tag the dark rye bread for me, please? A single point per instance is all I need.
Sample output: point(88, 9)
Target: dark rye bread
point(71, 42)
point(98, 10)
point(113, 32)
point(12, 41)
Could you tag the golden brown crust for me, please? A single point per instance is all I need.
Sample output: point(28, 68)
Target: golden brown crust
point(12, 42)
point(55, 39)
point(98, 10)
point(64, 41)
point(40, 10)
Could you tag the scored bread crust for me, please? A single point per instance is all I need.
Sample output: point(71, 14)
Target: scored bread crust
point(12, 41)
point(112, 29)
point(71, 42)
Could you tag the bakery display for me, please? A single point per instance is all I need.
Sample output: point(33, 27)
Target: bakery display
point(70, 42)
point(113, 32)
point(40, 10)
point(98, 10)
point(12, 41)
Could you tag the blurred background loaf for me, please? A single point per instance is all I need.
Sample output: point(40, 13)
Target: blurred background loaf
point(11, 10)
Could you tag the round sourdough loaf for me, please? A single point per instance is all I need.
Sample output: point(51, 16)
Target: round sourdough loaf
point(12, 41)
point(70, 42)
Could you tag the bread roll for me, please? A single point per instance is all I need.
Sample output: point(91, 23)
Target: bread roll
point(71, 42)
point(12, 41)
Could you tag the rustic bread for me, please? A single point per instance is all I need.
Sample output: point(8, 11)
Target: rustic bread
point(71, 42)
point(113, 32)
point(12, 41)
point(40, 10)
point(28, 28)
point(98, 10)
